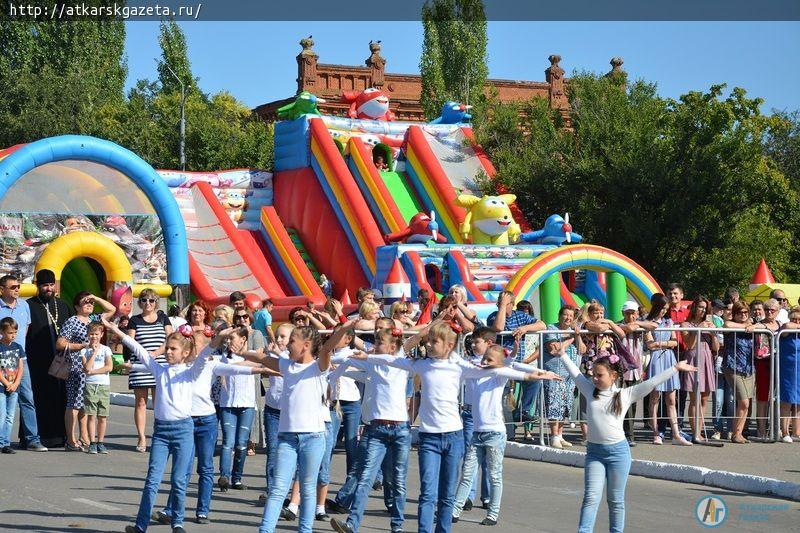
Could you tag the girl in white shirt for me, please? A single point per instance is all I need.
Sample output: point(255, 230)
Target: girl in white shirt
point(204, 418)
point(608, 455)
point(441, 440)
point(173, 428)
point(387, 432)
point(489, 430)
point(301, 430)
point(237, 404)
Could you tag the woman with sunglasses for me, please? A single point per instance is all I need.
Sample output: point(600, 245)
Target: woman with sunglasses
point(401, 314)
point(762, 351)
point(73, 337)
point(150, 329)
point(738, 365)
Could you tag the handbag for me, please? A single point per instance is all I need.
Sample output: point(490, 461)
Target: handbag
point(60, 367)
point(626, 358)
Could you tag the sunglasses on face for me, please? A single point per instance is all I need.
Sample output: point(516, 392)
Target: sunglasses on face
point(86, 302)
point(147, 300)
point(782, 299)
point(12, 287)
point(242, 317)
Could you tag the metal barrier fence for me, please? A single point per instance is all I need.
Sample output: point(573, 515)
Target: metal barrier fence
point(764, 346)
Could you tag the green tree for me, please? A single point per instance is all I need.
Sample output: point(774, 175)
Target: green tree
point(58, 76)
point(174, 59)
point(684, 187)
point(453, 62)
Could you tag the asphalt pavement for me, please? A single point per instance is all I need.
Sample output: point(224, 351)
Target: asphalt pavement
point(59, 491)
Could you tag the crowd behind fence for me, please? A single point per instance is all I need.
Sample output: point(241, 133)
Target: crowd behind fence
point(722, 406)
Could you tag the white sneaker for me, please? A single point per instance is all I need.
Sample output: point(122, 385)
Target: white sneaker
point(565, 443)
point(787, 438)
point(555, 442)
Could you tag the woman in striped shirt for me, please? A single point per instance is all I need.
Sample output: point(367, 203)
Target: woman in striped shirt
point(149, 329)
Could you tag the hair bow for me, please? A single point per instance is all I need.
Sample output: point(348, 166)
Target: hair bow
point(186, 330)
point(397, 332)
point(508, 351)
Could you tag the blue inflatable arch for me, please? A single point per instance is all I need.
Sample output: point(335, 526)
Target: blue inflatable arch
point(84, 148)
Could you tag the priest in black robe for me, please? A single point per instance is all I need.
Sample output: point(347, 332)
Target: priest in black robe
point(48, 314)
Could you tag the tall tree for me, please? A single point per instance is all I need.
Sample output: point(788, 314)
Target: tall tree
point(453, 63)
point(174, 57)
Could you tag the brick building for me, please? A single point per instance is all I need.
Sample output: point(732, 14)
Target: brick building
point(328, 81)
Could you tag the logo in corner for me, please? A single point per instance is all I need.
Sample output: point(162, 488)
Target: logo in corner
point(711, 511)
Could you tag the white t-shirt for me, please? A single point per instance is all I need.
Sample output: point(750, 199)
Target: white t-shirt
point(385, 392)
point(605, 427)
point(275, 386)
point(305, 390)
point(237, 390)
point(344, 388)
point(441, 382)
point(174, 383)
point(469, 384)
point(99, 361)
point(202, 404)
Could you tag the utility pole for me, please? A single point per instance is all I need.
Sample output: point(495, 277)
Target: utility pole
point(183, 117)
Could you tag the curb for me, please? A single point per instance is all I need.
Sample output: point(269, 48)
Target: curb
point(127, 400)
point(697, 475)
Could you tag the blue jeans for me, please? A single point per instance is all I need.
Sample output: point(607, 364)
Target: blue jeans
point(383, 439)
point(530, 395)
point(236, 424)
point(27, 409)
point(439, 461)
point(466, 420)
point(351, 419)
point(605, 462)
point(170, 437)
point(331, 428)
point(301, 451)
point(8, 408)
point(347, 492)
point(205, 437)
point(271, 419)
point(488, 447)
point(724, 405)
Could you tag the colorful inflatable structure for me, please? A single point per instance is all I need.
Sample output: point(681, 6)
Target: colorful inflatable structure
point(366, 200)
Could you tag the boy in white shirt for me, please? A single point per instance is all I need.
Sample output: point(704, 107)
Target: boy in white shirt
point(97, 363)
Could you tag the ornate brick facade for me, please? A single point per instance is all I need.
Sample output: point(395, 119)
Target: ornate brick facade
point(328, 81)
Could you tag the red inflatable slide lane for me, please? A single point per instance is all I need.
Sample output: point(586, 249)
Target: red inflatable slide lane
point(302, 205)
point(222, 261)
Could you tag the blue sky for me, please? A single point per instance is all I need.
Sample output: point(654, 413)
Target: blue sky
point(255, 60)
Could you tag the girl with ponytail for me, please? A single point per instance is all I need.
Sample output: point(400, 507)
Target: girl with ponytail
point(608, 455)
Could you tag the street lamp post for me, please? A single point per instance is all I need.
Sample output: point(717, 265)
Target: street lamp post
point(183, 117)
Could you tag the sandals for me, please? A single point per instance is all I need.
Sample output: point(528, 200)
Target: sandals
point(739, 440)
point(658, 441)
point(141, 449)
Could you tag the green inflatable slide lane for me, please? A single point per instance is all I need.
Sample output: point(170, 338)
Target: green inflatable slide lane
point(402, 194)
point(301, 249)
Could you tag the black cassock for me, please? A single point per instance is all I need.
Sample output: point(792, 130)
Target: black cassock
point(49, 393)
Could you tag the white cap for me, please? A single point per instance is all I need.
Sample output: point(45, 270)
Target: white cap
point(630, 305)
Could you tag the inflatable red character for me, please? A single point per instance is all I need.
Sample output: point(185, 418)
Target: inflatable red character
point(421, 229)
point(370, 104)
